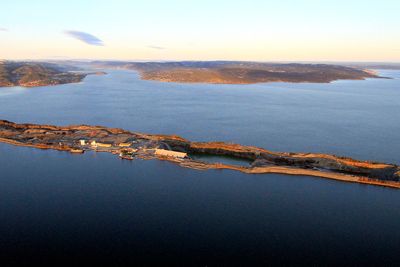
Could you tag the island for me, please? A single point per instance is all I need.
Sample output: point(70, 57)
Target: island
point(132, 145)
point(32, 74)
point(240, 72)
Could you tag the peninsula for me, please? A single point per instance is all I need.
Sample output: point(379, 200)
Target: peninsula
point(31, 74)
point(131, 145)
point(240, 72)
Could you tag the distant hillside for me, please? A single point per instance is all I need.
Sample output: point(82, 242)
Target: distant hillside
point(240, 72)
point(29, 74)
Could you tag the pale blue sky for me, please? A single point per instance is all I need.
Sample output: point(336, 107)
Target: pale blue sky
point(351, 30)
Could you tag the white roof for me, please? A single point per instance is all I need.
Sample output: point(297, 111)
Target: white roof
point(170, 153)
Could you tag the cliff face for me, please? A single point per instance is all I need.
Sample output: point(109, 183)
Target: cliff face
point(30, 74)
point(262, 157)
point(69, 138)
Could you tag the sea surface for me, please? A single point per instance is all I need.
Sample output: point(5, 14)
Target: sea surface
point(96, 208)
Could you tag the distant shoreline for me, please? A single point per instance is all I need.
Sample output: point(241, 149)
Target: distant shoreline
point(35, 74)
point(226, 72)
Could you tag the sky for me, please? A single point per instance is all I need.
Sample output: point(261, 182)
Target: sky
point(260, 30)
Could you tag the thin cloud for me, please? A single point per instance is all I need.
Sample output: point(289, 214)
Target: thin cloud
point(85, 37)
point(3, 29)
point(155, 47)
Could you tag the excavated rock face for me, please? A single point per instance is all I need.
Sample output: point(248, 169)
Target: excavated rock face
point(264, 157)
point(397, 174)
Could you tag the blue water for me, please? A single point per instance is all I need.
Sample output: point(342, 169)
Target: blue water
point(94, 207)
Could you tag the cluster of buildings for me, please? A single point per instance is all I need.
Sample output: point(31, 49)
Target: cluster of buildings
point(95, 144)
point(158, 152)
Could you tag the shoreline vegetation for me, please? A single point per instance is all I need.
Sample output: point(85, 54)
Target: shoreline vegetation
point(131, 145)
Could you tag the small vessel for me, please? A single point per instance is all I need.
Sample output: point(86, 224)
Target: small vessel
point(125, 156)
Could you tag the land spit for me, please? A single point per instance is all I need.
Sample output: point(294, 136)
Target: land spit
point(131, 145)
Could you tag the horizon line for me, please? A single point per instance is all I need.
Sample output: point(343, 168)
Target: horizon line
point(208, 60)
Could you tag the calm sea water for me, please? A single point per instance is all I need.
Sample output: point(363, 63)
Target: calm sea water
point(94, 207)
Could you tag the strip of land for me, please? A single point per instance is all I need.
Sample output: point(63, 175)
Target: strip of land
point(240, 72)
point(131, 145)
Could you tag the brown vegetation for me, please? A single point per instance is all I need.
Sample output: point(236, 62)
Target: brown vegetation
point(227, 72)
point(30, 74)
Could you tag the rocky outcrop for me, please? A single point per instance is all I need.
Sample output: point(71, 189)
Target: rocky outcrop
point(68, 138)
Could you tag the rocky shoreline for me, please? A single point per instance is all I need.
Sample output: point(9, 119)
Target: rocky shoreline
point(130, 145)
